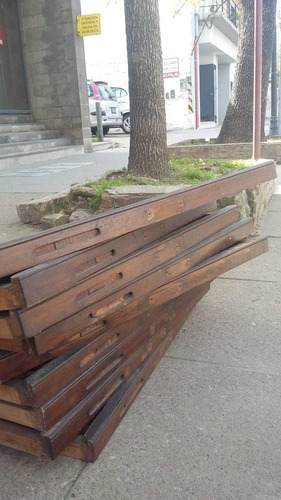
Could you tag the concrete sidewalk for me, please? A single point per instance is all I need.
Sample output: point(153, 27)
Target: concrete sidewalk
point(23, 183)
point(207, 424)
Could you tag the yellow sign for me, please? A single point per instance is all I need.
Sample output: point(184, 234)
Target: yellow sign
point(88, 25)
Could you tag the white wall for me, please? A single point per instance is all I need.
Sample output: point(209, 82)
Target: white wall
point(223, 90)
point(106, 54)
point(219, 41)
point(177, 115)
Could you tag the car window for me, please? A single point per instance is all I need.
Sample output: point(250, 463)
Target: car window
point(90, 90)
point(105, 92)
point(119, 92)
point(116, 91)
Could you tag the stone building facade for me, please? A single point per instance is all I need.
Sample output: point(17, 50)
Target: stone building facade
point(42, 66)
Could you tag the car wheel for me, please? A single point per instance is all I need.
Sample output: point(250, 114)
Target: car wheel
point(94, 130)
point(126, 125)
point(105, 130)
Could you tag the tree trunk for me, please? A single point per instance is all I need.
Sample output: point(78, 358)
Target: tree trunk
point(238, 122)
point(148, 143)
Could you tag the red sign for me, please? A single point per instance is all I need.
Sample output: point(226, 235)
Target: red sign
point(171, 67)
point(1, 39)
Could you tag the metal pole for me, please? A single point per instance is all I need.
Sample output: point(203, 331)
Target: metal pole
point(196, 73)
point(99, 121)
point(273, 129)
point(257, 80)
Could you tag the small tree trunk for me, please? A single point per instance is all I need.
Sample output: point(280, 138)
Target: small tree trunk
point(238, 122)
point(148, 143)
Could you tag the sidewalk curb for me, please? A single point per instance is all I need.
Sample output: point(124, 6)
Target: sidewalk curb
point(101, 146)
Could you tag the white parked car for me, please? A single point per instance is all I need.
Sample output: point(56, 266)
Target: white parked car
point(122, 97)
point(110, 108)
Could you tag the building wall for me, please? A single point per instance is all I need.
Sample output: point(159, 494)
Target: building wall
point(224, 84)
point(55, 67)
point(213, 40)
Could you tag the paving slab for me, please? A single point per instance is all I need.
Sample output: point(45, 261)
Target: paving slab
point(237, 324)
point(267, 267)
point(272, 224)
point(14, 231)
point(275, 204)
point(25, 477)
point(10, 227)
point(193, 433)
point(8, 204)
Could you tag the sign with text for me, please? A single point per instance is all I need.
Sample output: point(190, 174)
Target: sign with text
point(88, 25)
point(171, 67)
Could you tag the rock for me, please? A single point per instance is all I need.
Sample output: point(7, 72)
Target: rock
point(258, 199)
point(81, 204)
point(33, 211)
point(240, 200)
point(85, 191)
point(251, 203)
point(126, 195)
point(54, 220)
point(80, 214)
point(23, 214)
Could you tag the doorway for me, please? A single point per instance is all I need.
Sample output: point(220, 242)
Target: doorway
point(13, 88)
point(207, 92)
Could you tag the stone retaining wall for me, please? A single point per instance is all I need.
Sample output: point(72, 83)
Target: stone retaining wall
point(238, 151)
point(67, 207)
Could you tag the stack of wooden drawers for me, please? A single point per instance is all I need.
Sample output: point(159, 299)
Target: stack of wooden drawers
point(89, 309)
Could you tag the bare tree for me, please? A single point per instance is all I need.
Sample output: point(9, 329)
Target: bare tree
point(148, 143)
point(238, 122)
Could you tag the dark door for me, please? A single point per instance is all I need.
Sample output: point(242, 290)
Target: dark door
point(13, 92)
point(207, 92)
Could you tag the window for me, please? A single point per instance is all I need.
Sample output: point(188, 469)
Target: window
point(90, 90)
point(105, 92)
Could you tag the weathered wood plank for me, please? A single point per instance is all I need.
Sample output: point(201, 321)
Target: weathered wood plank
point(91, 379)
point(63, 432)
point(6, 299)
point(36, 388)
point(15, 345)
point(10, 327)
point(221, 263)
point(28, 252)
point(104, 283)
point(22, 438)
point(88, 446)
point(105, 307)
point(45, 280)
point(14, 364)
point(89, 407)
point(94, 357)
point(82, 447)
point(13, 392)
point(21, 415)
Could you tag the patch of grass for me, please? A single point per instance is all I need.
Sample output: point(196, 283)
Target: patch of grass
point(273, 138)
point(191, 175)
point(124, 179)
point(193, 171)
point(182, 171)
